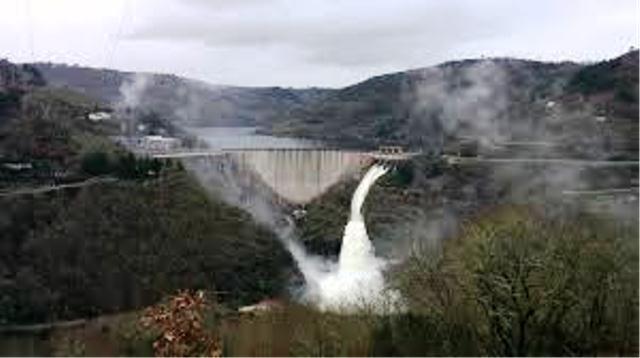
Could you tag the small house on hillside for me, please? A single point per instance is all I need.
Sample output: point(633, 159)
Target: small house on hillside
point(265, 305)
point(18, 166)
point(99, 116)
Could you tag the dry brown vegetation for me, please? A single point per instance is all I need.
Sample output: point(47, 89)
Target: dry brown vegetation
point(179, 323)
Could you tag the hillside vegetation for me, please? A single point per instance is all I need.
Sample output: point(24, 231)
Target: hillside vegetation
point(514, 282)
point(497, 100)
point(589, 110)
point(116, 247)
point(113, 246)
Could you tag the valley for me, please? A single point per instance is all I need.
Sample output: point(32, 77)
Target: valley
point(511, 229)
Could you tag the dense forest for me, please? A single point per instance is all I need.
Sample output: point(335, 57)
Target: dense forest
point(116, 247)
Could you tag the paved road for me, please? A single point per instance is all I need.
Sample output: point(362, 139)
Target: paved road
point(194, 154)
point(610, 191)
point(48, 188)
point(560, 161)
point(33, 328)
point(219, 152)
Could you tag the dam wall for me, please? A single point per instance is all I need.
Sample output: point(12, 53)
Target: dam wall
point(294, 176)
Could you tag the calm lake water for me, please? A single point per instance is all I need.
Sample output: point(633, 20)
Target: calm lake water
point(246, 138)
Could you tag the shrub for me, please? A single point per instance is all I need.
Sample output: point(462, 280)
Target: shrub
point(96, 163)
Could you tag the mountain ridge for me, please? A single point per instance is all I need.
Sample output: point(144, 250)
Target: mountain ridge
point(188, 101)
point(492, 99)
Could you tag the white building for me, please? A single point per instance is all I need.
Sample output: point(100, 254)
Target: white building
point(99, 116)
point(18, 166)
point(262, 307)
point(158, 143)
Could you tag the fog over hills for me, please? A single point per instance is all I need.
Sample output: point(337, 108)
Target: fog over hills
point(185, 100)
point(492, 100)
point(489, 100)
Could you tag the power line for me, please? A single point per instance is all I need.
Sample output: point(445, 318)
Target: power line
point(118, 34)
point(29, 25)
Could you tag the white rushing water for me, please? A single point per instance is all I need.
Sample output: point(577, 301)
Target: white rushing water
point(356, 281)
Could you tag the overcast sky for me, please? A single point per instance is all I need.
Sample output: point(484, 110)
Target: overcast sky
point(303, 43)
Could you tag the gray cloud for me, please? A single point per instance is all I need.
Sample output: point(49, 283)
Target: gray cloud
point(379, 36)
point(310, 42)
point(330, 34)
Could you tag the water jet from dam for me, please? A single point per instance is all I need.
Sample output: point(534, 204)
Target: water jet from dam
point(356, 280)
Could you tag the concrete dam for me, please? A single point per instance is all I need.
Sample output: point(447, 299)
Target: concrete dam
point(295, 176)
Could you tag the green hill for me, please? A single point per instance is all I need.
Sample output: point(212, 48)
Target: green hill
point(587, 108)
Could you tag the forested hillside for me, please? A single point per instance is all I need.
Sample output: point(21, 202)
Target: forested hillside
point(592, 109)
point(121, 246)
point(133, 231)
